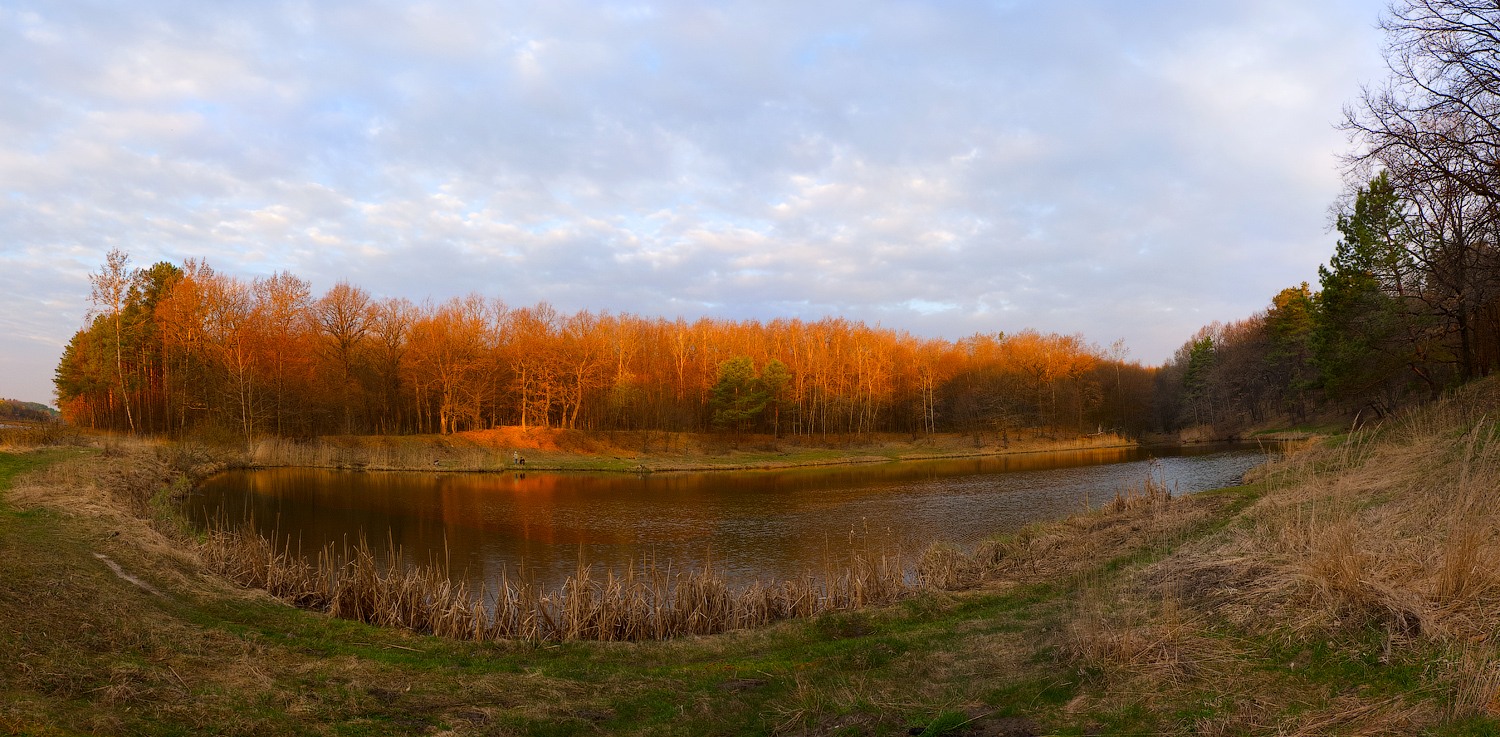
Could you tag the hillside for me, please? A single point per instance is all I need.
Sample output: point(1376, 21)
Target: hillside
point(1360, 594)
point(15, 409)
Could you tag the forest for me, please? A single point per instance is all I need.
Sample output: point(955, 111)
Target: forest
point(1408, 306)
point(172, 349)
point(15, 409)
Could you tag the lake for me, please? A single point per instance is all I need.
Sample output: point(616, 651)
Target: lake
point(770, 525)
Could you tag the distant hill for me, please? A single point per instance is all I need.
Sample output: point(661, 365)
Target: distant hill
point(15, 409)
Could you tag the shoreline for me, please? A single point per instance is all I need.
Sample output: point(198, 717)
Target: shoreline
point(345, 459)
point(432, 457)
point(1003, 598)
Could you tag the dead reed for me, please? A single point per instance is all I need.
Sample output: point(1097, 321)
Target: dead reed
point(22, 436)
point(1152, 496)
point(645, 602)
point(381, 454)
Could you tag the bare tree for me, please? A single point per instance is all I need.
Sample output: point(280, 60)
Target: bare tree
point(281, 301)
point(344, 317)
point(109, 288)
point(1434, 129)
point(1452, 249)
point(1439, 112)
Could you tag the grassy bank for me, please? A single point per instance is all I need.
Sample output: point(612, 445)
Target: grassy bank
point(1353, 589)
point(573, 450)
point(179, 652)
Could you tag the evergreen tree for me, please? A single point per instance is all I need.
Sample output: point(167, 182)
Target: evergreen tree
point(1197, 379)
point(776, 378)
point(739, 396)
point(1290, 326)
point(1359, 340)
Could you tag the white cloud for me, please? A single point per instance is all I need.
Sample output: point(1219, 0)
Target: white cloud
point(1123, 170)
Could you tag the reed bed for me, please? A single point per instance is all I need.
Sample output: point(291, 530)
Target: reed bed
point(23, 436)
point(642, 602)
point(645, 602)
point(272, 452)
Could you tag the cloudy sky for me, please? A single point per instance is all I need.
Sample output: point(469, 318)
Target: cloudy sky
point(1125, 170)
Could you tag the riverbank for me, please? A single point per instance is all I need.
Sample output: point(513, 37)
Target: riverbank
point(118, 630)
point(1353, 589)
point(545, 449)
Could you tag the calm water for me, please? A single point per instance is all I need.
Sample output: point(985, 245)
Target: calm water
point(766, 524)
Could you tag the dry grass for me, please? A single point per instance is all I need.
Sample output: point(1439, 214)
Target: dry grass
point(1162, 641)
point(1359, 594)
point(1381, 549)
point(1125, 633)
point(1475, 675)
point(136, 479)
point(945, 659)
point(24, 436)
point(1397, 526)
point(554, 449)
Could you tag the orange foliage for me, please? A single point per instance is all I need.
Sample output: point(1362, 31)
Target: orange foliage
point(269, 358)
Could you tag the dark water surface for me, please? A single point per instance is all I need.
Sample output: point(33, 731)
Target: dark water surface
point(767, 524)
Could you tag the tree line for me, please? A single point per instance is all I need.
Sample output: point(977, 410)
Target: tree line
point(15, 409)
point(175, 349)
point(1409, 303)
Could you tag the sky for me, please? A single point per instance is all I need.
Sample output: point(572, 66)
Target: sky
point(1123, 170)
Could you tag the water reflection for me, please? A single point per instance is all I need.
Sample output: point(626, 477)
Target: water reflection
point(762, 524)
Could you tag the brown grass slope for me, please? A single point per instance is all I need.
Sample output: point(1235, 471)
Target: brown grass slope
point(1359, 595)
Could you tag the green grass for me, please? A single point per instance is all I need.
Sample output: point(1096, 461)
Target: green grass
point(14, 464)
point(736, 680)
point(1304, 429)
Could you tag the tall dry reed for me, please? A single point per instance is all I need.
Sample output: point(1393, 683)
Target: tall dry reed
point(644, 602)
point(1152, 495)
point(380, 455)
point(22, 436)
